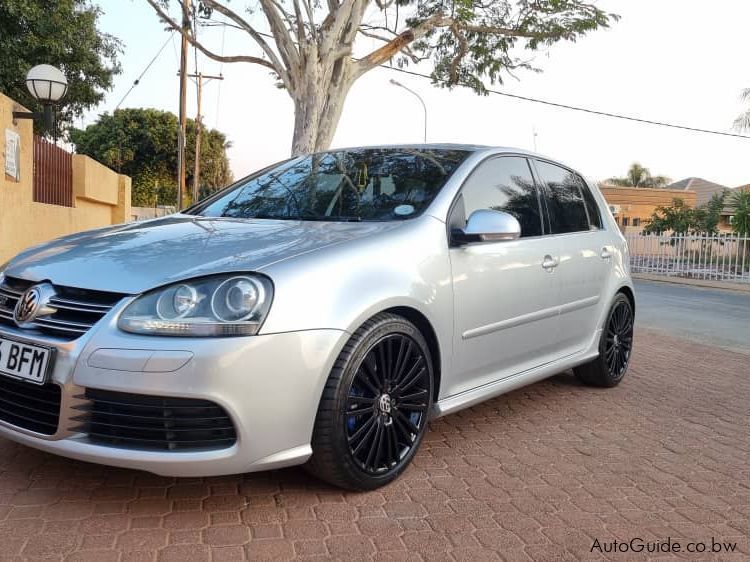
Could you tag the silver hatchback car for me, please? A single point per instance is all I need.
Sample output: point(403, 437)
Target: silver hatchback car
point(320, 311)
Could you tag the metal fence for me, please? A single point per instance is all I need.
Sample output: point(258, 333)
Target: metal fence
point(53, 174)
point(721, 257)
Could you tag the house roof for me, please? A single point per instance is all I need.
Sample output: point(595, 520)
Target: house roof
point(704, 189)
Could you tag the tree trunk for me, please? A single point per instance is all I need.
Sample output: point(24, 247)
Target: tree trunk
point(318, 104)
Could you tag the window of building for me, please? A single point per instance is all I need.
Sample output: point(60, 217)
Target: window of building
point(636, 222)
point(625, 221)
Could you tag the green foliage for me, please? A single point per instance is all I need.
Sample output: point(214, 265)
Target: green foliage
point(61, 33)
point(677, 218)
point(681, 219)
point(142, 144)
point(740, 204)
point(484, 39)
point(638, 176)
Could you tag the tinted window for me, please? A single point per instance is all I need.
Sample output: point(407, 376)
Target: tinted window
point(595, 219)
point(504, 184)
point(347, 185)
point(567, 211)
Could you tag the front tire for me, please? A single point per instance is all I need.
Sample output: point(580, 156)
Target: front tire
point(375, 406)
point(615, 347)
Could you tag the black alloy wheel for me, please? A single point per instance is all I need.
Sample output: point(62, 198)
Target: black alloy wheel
point(619, 339)
point(387, 404)
point(375, 405)
point(615, 347)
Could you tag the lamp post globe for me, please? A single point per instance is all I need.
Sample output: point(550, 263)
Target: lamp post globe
point(46, 83)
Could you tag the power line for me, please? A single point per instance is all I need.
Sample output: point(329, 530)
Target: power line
point(586, 110)
point(565, 106)
point(138, 80)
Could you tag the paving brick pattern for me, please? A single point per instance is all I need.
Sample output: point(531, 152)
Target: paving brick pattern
point(534, 475)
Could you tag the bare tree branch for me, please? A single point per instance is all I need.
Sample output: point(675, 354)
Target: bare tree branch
point(301, 34)
point(281, 35)
point(406, 50)
point(408, 36)
point(245, 26)
point(221, 58)
point(463, 48)
point(403, 39)
point(310, 17)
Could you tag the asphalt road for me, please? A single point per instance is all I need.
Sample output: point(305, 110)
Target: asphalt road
point(710, 316)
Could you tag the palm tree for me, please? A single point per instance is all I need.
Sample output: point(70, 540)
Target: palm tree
point(638, 176)
point(742, 122)
point(740, 204)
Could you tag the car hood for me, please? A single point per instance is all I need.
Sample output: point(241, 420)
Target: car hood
point(135, 257)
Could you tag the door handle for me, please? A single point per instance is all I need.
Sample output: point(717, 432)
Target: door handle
point(549, 263)
point(606, 253)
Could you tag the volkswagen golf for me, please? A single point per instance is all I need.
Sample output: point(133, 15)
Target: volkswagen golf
point(320, 312)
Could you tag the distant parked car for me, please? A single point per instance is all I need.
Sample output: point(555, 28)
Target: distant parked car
point(320, 311)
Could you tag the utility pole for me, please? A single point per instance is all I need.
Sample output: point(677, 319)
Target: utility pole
point(181, 188)
point(199, 78)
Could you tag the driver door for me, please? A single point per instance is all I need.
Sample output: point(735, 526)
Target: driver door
point(505, 300)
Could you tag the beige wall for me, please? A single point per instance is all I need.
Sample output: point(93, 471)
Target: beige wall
point(638, 203)
point(100, 196)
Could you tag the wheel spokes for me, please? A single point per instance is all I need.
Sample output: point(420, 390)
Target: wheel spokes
point(619, 339)
point(386, 408)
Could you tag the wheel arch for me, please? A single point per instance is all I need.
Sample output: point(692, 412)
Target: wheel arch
point(628, 292)
point(425, 327)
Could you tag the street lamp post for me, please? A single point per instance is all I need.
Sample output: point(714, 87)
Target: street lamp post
point(424, 107)
point(48, 85)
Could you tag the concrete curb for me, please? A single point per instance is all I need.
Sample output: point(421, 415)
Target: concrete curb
point(705, 283)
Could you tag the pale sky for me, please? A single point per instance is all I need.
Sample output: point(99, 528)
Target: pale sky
point(680, 61)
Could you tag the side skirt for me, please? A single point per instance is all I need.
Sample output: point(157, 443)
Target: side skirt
point(469, 398)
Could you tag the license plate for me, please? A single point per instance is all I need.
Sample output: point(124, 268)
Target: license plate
point(24, 361)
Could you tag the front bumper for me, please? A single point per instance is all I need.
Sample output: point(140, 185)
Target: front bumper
point(270, 386)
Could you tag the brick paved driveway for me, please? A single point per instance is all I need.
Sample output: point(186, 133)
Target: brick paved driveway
point(536, 474)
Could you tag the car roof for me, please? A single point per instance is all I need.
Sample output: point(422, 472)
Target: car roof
point(442, 146)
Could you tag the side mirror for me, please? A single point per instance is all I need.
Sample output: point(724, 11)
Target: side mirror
point(485, 225)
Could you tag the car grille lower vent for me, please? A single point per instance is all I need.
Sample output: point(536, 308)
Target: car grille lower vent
point(77, 310)
point(30, 406)
point(153, 422)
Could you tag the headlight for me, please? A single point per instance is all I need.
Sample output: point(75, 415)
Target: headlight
point(226, 305)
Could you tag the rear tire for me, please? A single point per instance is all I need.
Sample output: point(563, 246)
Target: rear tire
point(375, 406)
point(615, 347)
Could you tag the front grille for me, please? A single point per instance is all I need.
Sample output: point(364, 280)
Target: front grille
point(153, 422)
point(77, 310)
point(30, 406)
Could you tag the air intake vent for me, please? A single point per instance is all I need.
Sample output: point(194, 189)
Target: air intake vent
point(30, 406)
point(77, 309)
point(154, 422)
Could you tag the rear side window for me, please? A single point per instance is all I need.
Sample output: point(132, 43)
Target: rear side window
point(565, 204)
point(595, 218)
point(504, 184)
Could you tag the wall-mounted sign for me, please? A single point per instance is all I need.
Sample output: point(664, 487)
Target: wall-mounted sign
point(13, 154)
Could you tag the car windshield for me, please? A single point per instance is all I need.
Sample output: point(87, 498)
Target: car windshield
point(363, 184)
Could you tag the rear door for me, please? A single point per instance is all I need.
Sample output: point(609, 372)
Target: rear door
point(584, 254)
